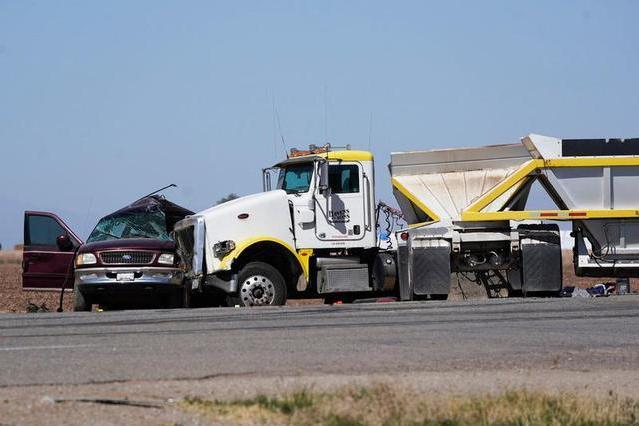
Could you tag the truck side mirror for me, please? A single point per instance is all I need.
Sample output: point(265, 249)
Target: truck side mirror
point(64, 243)
point(323, 177)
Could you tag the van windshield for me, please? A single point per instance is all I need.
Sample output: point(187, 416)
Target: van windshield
point(131, 225)
point(295, 178)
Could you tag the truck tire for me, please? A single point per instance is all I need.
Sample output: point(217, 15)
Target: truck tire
point(81, 302)
point(259, 284)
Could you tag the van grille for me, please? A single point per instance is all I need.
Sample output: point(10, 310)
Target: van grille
point(127, 257)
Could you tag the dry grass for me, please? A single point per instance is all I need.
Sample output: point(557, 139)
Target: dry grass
point(10, 257)
point(387, 405)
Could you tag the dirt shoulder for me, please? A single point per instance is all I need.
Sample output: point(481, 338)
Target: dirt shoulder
point(13, 298)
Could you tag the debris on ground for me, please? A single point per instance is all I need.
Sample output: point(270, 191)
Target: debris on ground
point(111, 401)
point(32, 308)
point(597, 290)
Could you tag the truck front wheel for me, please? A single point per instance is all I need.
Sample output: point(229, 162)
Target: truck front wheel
point(259, 284)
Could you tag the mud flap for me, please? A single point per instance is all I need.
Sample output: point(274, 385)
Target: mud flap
point(541, 269)
point(430, 267)
point(405, 290)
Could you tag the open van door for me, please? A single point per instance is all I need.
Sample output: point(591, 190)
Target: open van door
point(49, 249)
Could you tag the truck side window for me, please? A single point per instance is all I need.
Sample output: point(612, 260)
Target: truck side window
point(43, 231)
point(343, 179)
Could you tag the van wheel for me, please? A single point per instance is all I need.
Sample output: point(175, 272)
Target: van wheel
point(80, 302)
point(181, 298)
point(259, 284)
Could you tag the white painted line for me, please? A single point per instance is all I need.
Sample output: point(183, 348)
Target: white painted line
point(29, 348)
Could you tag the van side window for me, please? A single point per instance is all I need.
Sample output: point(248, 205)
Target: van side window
point(343, 179)
point(43, 231)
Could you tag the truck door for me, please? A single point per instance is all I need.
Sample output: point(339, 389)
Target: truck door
point(49, 249)
point(341, 211)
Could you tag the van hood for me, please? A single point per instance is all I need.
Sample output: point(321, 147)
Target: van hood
point(128, 244)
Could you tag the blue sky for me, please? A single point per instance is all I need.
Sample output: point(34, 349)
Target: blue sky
point(102, 102)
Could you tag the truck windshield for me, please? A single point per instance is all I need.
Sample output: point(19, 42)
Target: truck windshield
point(295, 178)
point(131, 225)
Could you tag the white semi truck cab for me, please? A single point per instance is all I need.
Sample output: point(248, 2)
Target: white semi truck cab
point(313, 235)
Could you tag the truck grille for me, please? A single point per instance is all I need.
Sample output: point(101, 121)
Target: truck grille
point(127, 257)
point(185, 241)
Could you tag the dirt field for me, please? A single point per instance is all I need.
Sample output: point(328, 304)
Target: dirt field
point(13, 299)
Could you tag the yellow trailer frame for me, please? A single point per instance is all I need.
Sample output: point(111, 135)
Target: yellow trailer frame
point(474, 211)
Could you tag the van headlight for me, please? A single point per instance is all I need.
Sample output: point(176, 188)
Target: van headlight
point(223, 248)
point(166, 258)
point(86, 259)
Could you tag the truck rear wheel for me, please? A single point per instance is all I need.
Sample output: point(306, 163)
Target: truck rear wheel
point(259, 284)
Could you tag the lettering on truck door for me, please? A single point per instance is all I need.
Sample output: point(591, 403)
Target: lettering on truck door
point(342, 207)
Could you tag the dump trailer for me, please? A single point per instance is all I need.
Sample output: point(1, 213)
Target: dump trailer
point(314, 233)
point(467, 213)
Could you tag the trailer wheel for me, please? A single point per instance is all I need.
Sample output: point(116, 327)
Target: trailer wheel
point(81, 302)
point(259, 284)
point(438, 297)
point(422, 297)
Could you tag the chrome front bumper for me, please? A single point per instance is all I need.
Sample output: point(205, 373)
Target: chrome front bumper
point(145, 275)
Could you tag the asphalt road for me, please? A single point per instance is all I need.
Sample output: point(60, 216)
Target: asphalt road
point(75, 348)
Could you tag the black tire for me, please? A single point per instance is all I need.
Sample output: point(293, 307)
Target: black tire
point(514, 293)
point(186, 295)
point(81, 302)
point(422, 297)
point(259, 284)
point(438, 297)
point(181, 299)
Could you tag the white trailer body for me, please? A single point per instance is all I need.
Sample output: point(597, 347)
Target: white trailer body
point(468, 213)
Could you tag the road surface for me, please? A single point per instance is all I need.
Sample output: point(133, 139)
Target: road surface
point(101, 348)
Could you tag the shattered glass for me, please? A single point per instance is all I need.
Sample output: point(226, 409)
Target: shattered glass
point(149, 217)
point(131, 225)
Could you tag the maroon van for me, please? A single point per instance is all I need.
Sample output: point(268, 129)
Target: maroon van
point(129, 259)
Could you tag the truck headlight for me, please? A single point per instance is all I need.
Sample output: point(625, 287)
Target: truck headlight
point(86, 259)
point(223, 248)
point(166, 259)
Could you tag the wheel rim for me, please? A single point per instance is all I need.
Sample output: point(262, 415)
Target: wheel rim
point(257, 290)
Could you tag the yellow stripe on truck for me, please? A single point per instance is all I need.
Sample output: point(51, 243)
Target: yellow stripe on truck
point(303, 259)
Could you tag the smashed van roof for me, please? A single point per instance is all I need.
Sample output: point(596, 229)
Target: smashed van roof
point(152, 204)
